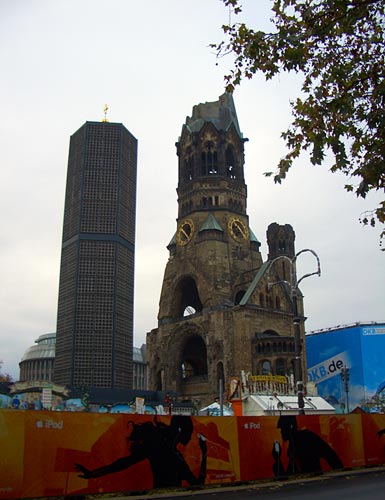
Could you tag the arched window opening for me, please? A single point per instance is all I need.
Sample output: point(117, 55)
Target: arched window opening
point(271, 333)
point(280, 367)
point(187, 299)
point(209, 160)
point(266, 367)
point(261, 300)
point(239, 296)
point(213, 168)
point(230, 163)
point(187, 207)
point(207, 201)
point(194, 359)
point(189, 167)
point(277, 303)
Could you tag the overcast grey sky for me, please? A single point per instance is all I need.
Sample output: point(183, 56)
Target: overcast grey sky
point(150, 61)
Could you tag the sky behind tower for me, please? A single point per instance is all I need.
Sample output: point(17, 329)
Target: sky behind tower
point(150, 61)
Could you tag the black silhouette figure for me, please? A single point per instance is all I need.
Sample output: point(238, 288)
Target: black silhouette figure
point(157, 442)
point(305, 450)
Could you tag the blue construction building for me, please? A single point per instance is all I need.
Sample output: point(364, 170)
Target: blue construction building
point(347, 365)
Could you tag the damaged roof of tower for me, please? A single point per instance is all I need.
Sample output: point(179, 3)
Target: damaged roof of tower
point(220, 113)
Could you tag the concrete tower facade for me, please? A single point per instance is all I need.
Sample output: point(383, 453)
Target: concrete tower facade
point(217, 315)
point(94, 343)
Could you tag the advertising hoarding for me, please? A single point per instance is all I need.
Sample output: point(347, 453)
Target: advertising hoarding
point(359, 348)
point(51, 454)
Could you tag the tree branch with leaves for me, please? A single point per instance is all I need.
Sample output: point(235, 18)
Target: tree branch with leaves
point(4, 377)
point(339, 48)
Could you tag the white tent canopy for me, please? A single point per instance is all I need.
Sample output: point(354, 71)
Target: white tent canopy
point(214, 410)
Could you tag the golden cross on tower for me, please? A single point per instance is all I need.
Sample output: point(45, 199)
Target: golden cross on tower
point(105, 113)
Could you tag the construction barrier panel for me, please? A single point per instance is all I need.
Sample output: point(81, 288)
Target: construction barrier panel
point(62, 453)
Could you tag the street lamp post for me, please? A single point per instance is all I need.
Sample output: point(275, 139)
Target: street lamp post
point(298, 353)
point(293, 285)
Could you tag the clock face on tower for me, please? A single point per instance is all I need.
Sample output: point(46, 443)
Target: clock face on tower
point(185, 232)
point(238, 229)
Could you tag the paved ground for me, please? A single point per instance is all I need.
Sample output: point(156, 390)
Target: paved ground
point(283, 489)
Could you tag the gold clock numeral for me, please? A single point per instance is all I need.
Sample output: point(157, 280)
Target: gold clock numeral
point(240, 228)
point(185, 232)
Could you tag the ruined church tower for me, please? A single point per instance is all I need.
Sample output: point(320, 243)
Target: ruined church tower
point(217, 315)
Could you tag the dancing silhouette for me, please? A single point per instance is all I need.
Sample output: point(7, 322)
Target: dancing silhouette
point(157, 442)
point(305, 450)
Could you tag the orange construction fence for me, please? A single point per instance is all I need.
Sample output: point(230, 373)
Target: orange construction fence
point(62, 453)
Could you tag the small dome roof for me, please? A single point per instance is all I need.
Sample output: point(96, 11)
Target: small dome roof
point(44, 348)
